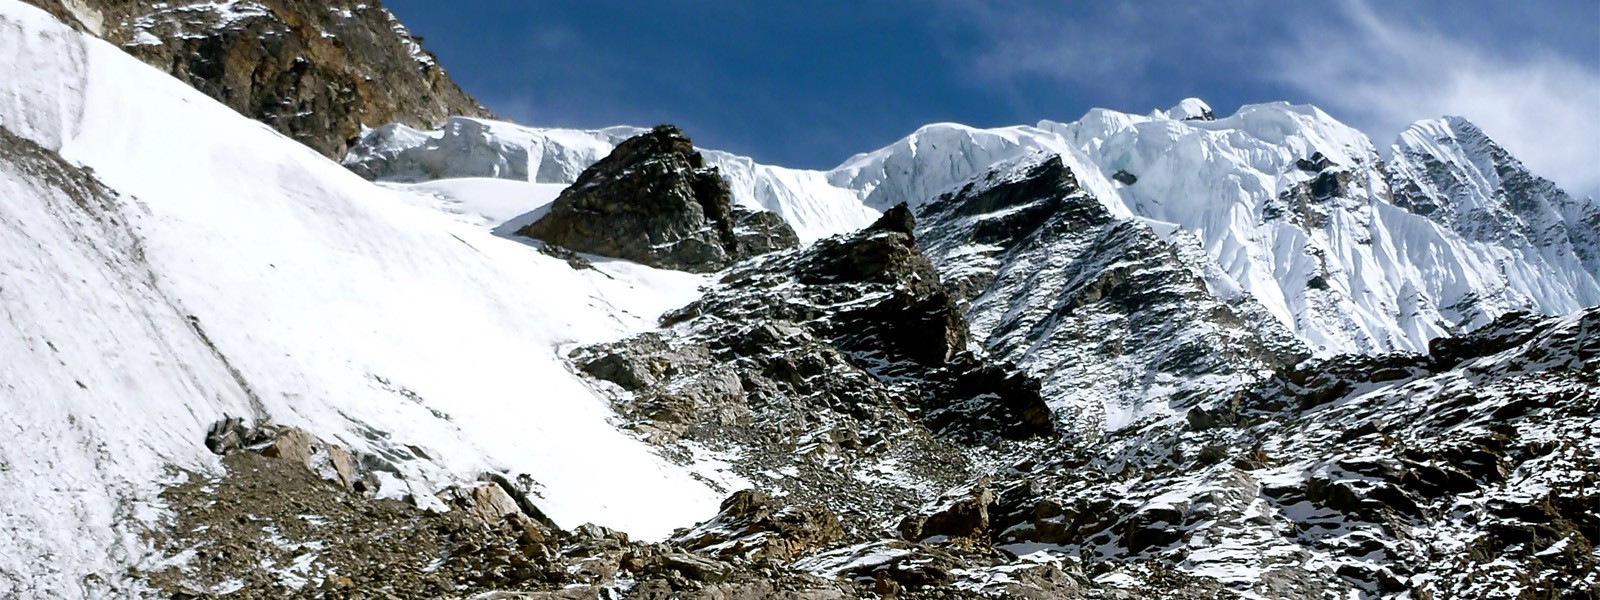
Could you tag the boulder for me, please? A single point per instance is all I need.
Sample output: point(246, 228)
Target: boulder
point(485, 501)
point(961, 515)
point(330, 461)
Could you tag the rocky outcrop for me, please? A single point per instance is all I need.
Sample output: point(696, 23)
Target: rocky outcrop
point(918, 331)
point(654, 201)
point(291, 444)
point(961, 515)
point(1106, 313)
point(317, 71)
point(753, 526)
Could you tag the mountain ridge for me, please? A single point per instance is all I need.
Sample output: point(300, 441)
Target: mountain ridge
point(1333, 215)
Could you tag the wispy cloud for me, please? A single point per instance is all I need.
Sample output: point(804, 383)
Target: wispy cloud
point(1382, 72)
point(1114, 51)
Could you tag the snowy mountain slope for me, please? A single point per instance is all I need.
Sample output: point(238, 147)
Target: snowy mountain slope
point(501, 205)
point(218, 268)
point(1465, 473)
point(1294, 205)
point(78, 472)
point(466, 147)
point(1450, 171)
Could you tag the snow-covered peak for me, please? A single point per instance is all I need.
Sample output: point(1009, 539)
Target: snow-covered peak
point(1293, 204)
point(1261, 136)
point(1189, 109)
point(1453, 173)
point(1457, 143)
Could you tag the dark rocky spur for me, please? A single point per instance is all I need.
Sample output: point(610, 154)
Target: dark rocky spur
point(654, 201)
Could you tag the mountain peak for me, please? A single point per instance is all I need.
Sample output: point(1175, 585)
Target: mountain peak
point(1450, 171)
point(1191, 109)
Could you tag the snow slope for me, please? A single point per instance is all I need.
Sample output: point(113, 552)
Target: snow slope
point(503, 205)
point(223, 269)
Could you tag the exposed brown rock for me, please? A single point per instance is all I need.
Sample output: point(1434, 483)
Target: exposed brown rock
point(962, 516)
point(317, 71)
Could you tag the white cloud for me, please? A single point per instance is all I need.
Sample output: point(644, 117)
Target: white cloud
point(1104, 48)
point(1381, 73)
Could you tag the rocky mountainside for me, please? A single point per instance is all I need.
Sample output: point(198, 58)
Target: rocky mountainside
point(319, 72)
point(1467, 472)
point(1136, 356)
point(838, 374)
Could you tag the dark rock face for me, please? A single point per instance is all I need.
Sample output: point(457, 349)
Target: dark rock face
point(654, 201)
point(1310, 204)
point(1317, 162)
point(920, 330)
point(317, 71)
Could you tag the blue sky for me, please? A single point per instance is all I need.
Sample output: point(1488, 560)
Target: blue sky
point(807, 84)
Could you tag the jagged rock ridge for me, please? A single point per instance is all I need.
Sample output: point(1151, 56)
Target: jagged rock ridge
point(1119, 323)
